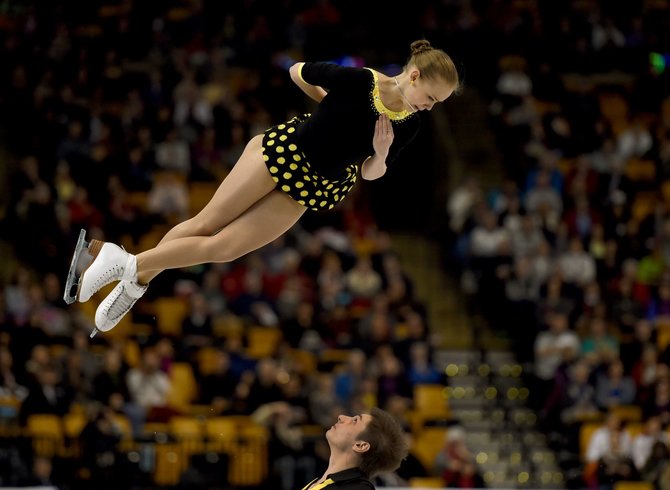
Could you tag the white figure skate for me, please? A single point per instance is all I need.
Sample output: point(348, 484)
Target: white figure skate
point(117, 303)
point(102, 264)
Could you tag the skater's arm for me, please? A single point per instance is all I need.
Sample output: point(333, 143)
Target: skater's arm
point(313, 91)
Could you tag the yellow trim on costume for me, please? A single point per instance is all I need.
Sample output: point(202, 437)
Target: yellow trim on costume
point(319, 486)
point(300, 73)
point(379, 105)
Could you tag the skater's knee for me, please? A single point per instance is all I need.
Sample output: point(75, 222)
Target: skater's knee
point(222, 249)
point(197, 226)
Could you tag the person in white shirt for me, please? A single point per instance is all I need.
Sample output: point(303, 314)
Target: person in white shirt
point(643, 443)
point(608, 439)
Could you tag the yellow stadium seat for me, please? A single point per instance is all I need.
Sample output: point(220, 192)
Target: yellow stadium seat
point(207, 360)
point(46, 431)
point(170, 313)
point(183, 386)
point(169, 464)
point(74, 423)
point(430, 401)
point(262, 341)
point(189, 433)
point(221, 432)
point(426, 482)
point(643, 205)
point(633, 485)
point(248, 463)
point(662, 336)
point(634, 429)
point(122, 424)
point(585, 433)
point(628, 413)
point(335, 356)
point(305, 361)
point(427, 444)
point(641, 170)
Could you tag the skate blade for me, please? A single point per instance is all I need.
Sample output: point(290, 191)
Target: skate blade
point(80, 259)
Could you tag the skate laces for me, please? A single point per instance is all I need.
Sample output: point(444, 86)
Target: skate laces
point(113, 273)
point(121, 304)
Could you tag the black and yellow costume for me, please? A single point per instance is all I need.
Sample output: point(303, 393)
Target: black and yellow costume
point(315, 158)
point(351, 479)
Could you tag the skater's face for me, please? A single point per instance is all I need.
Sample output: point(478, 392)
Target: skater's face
point(423, 93)
point(346, 432)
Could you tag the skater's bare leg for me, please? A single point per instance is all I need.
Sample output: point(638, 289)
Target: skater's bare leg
point(247, 182)
point(265, 221)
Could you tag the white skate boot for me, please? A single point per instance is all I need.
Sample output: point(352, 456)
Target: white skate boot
point(110, 263)
point(117, 303)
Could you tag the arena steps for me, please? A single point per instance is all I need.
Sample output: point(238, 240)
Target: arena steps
point(487, 397)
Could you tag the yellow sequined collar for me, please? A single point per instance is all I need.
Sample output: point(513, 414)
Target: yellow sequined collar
point(379, 105)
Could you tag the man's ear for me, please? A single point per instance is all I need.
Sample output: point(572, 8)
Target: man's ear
point(361, 446)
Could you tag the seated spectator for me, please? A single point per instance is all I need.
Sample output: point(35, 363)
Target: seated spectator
point(608, 454)
point(644, 374)
point(455, 463)
point(149, 386)
point(577, 266)
point(111, 390)
point(421, 369)
point(659, 404)
point(598, 345)
point(10, 386)
point(197, 329)
point(644, 442)
point(168, 199)
point(659, 307)
point(549, 352)
point(322, 397)
point(580, 395)
point(218, 386)
point(101, 456)
point(348, 380)
point(265, 386)
point(47, 395)
point(614, 388)
point(363, 281)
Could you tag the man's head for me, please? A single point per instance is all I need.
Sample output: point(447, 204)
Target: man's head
point(376, 441)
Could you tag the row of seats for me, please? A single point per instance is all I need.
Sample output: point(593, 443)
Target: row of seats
point(239, 437)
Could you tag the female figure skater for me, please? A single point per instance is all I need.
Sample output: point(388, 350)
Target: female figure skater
point(363, 120)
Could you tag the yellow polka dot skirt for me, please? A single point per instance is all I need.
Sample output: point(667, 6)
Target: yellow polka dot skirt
point(295, 176)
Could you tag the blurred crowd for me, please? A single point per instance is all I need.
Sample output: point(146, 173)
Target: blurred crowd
point(568, 256)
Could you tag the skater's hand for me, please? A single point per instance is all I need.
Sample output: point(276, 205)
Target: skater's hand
point(383, 137)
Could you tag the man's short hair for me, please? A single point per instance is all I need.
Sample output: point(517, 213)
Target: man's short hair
point(388, 446)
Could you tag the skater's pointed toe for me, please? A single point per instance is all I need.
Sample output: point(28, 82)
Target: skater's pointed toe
point(110, 263)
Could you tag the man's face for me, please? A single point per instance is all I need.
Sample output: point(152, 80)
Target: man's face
point(345, 433)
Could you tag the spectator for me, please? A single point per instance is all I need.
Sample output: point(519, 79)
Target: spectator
point(551, 347)
point(217, 387)
point(614, 388)
point(149, 386)
point(644, 442)
point(455, 463)
point(47, 395)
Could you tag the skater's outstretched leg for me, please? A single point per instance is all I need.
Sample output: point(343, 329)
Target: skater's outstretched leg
point(248, 182)
point(265, 221)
